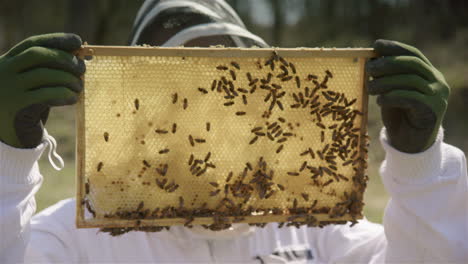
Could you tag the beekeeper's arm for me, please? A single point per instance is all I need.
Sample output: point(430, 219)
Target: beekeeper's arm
point(426, 219)
point(35, 75)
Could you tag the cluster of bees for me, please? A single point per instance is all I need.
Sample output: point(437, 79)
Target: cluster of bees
point(311, 94)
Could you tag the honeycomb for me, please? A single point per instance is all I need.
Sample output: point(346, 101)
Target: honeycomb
point(218, 136)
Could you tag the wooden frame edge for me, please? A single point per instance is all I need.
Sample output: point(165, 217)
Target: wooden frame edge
point(88, 50)
point(107, 222)
point(80, 157)
point(94, 50)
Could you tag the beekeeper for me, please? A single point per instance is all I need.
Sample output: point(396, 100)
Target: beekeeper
point(426, 219)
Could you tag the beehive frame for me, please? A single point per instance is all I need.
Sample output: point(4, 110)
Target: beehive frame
point(348, 210)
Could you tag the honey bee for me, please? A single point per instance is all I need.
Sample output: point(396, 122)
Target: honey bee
point(268, 79)
point(181, 201)
point(293, 68)
point(280, 105)
point(146, 163)
point(200, 140)
point(99, 166)
point(235, 64)
point(233, 74)
point(253, 89)
point(282, 140)
point(164, 151)
point(224, 80)
point(347, 162)
point(295, 203)
point(161, 131)
point(298, 82)
point(320, 125)
point(311, 77)
point(253, 82)
point(341, 176)
point(327, 183)
point(303, 166)
point(161, 183)
point(284, 69)
point(244, 99)
point(214, 193)
point(319, 154)
point(213, 85)
point(348, 104)
point(137, 104)
point(207, 157)
point(253, 140)
point(276, 57)
point(229, 177)
point(249, 76)
point(269, 194)
point(202, 90)
point(304, 153)
point(278, 150)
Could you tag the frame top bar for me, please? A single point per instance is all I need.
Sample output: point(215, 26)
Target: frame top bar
point(94, 50)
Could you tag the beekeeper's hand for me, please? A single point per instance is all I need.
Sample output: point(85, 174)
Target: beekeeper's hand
point(38, 73)
point(412, 95)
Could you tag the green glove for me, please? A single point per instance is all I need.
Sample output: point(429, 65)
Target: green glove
point(412, 95)
point(36, 74)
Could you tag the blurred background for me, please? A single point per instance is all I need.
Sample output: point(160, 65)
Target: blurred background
point(438, 28)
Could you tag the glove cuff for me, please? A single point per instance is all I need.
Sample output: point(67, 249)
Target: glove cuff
point(19, 166)
point(411, 168)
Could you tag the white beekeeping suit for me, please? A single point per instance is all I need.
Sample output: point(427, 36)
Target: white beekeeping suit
point(426, 219)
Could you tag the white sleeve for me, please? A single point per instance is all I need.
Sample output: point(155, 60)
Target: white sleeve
point(363, 243)
point(19, 181)
point(43, 238)
point(426, 219)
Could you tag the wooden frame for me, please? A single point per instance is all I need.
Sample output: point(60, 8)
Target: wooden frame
point(90, 50)
point(361, 54)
